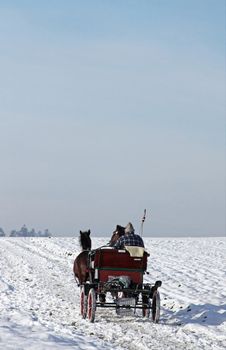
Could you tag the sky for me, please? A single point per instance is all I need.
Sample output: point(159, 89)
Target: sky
point(108, 108)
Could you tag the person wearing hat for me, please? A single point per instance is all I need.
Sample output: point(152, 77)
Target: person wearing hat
point(129, 238)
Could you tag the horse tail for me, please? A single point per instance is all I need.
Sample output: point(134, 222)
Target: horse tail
point(77, 281)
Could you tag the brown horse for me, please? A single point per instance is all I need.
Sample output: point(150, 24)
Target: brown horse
point(80, 268)
point(119, 232)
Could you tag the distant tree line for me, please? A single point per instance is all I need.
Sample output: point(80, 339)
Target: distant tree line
point(24, 232)
point(2, 233)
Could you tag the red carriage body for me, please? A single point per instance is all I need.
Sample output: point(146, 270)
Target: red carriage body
point(110, 262)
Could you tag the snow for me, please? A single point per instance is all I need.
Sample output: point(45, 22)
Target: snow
point(39, 300)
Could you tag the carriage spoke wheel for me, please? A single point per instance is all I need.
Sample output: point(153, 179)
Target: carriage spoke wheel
point(145, 306)
point(83, 302)
point(91, 305)
point(156, 306)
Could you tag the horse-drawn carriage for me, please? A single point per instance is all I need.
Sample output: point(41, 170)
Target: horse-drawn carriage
point(115, 280)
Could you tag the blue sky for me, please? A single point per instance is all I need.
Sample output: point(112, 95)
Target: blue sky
point(110, 107)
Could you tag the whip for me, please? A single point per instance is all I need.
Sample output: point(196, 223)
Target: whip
point(142, 223)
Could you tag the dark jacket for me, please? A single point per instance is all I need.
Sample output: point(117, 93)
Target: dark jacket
point(129, 239)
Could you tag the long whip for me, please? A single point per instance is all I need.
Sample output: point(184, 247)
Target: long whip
point(142, 223)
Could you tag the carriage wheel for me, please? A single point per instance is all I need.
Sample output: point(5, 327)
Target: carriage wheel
point(91, 305)
point(156, 306)
point(83, 302)
point(145, 306)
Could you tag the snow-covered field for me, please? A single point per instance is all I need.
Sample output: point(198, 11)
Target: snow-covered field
point(39, 300)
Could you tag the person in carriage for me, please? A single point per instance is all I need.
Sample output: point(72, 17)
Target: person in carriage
point(129, 238)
